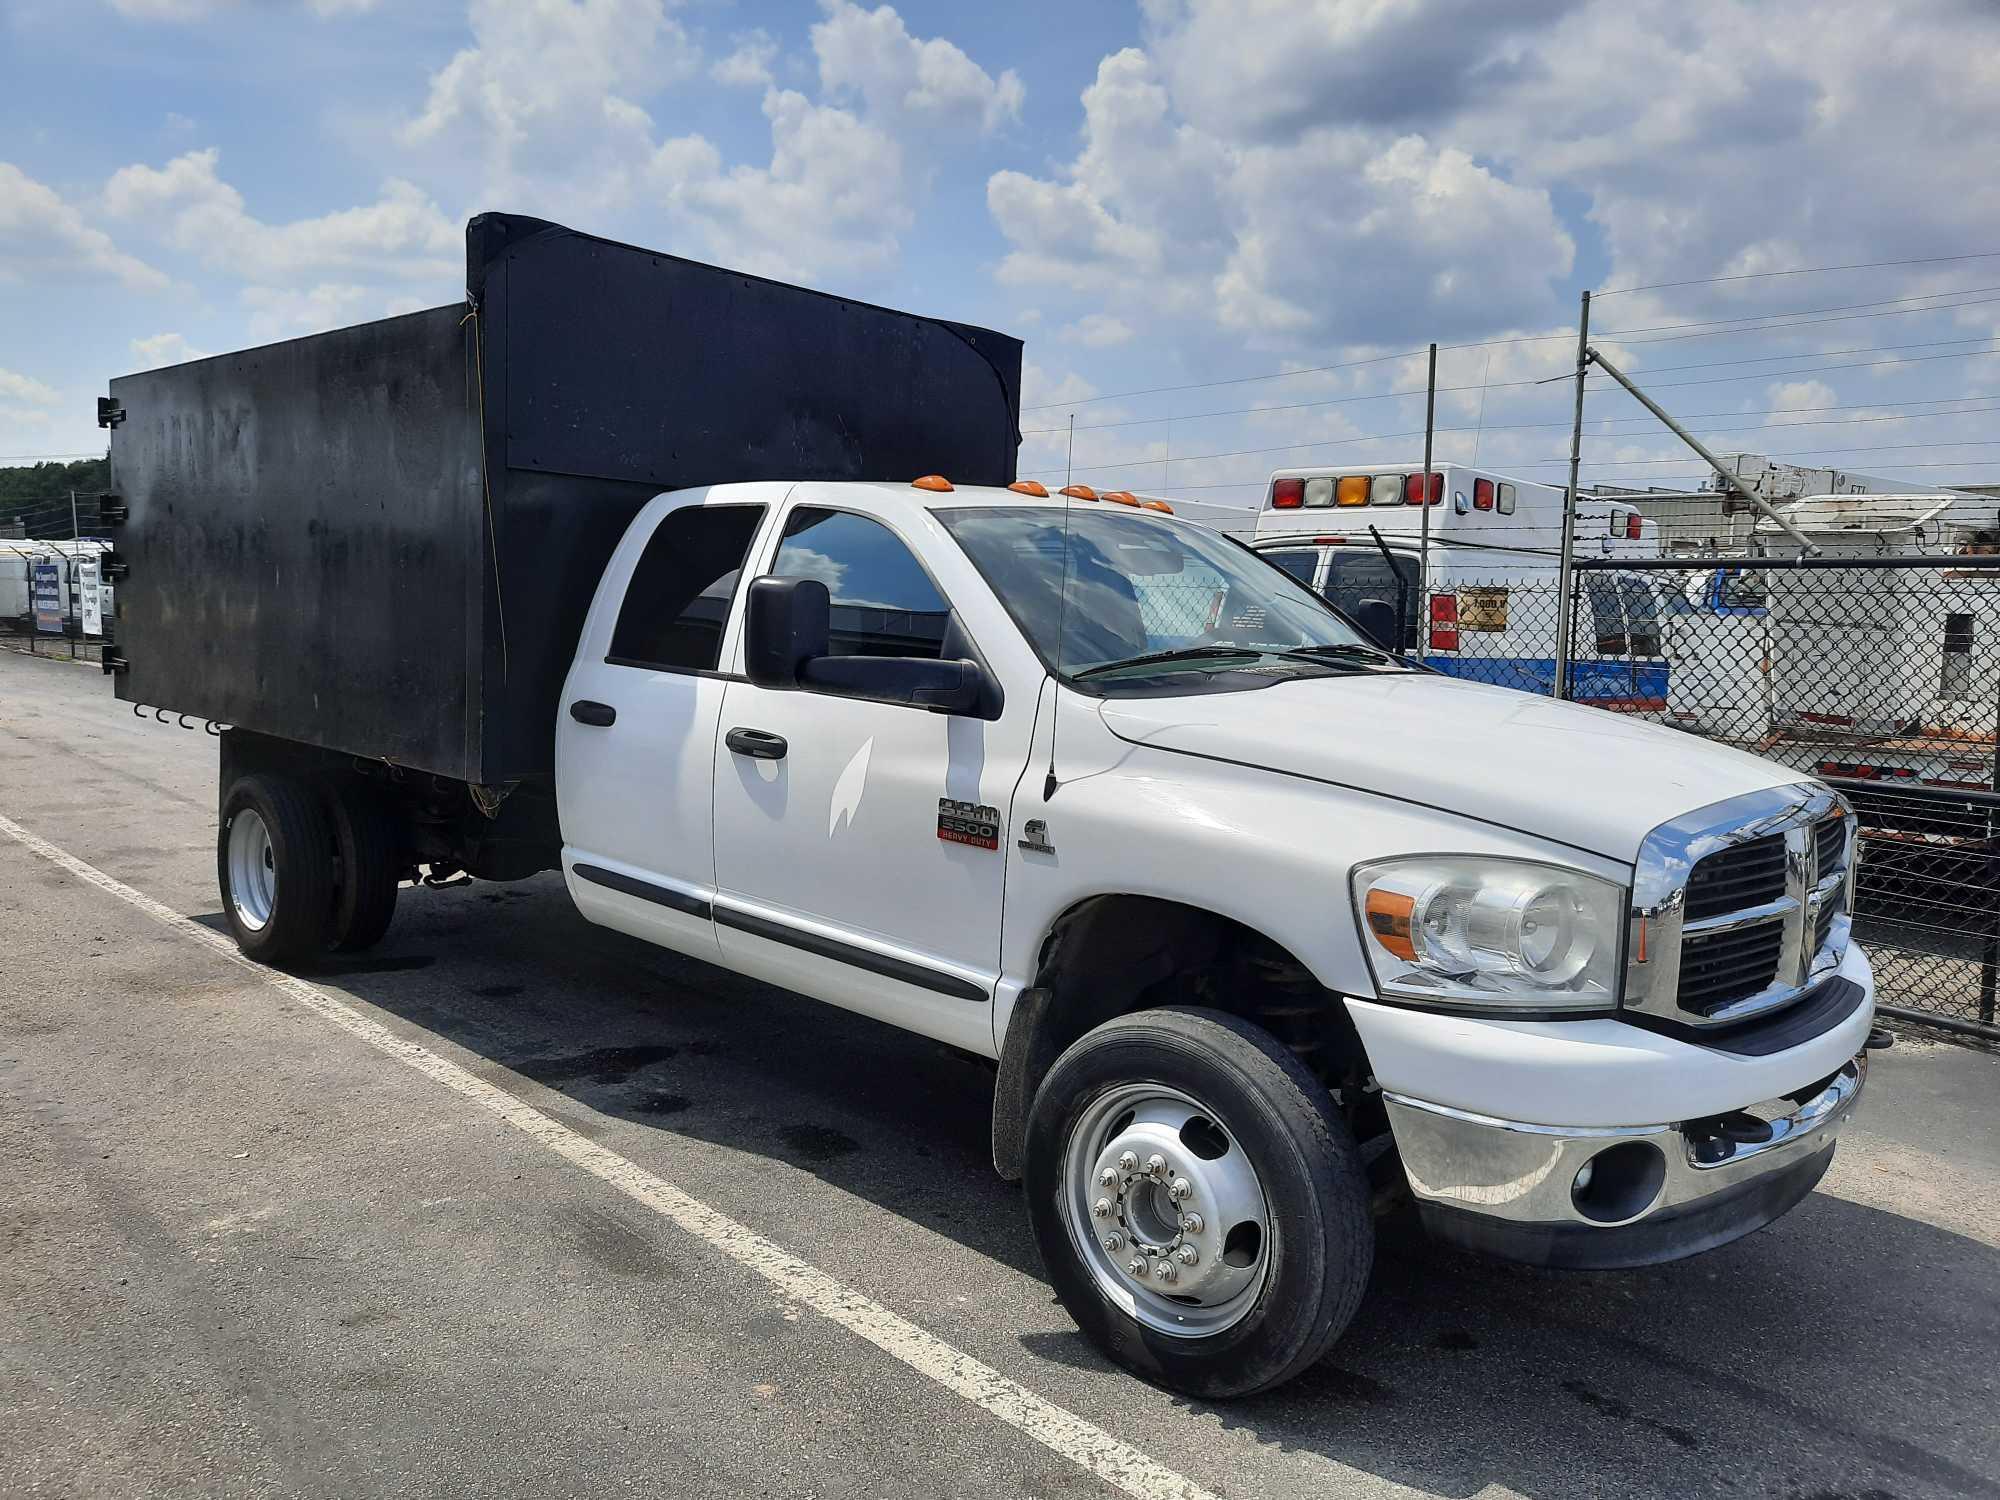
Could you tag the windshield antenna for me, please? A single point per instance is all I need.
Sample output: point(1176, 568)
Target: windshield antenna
point(1049, 782)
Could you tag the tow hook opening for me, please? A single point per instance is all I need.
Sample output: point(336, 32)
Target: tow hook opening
point(1620, 1182)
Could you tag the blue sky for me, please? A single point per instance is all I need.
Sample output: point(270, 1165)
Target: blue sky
point(1168, 194)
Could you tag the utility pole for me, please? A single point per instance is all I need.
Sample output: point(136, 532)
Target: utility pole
point(1424, 521)
point(75, 532)
point(1565, 575)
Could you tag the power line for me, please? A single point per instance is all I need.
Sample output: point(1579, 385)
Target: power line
point(1869, 265)
point(1722, 325)
point(1383, 437)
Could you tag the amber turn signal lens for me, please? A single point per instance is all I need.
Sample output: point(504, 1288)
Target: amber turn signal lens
point(1389, 914)
point(1351, 490)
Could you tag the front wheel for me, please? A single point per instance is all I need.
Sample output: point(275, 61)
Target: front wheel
point(274, 862)
point(1198, 1201)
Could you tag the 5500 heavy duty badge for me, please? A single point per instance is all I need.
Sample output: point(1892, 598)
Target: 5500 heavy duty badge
point(968, 823)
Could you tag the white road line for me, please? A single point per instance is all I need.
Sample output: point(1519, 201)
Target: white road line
point(1063, 1432)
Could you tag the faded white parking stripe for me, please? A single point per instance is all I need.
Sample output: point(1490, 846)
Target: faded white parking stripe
point(1063, 1432)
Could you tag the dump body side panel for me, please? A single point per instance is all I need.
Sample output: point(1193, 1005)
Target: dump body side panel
point(304, 540)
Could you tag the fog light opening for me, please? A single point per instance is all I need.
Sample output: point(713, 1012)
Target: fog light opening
point(1619, 1183)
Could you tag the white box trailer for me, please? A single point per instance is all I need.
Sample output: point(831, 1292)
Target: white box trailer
point(1910, 655)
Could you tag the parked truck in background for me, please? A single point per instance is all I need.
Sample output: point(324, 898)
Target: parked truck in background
point(721, 597)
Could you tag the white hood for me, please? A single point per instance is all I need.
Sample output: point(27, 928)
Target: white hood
point(1586, 777)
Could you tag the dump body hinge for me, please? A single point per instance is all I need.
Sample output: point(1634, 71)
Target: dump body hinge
point(115, 661)
point(111, 567)
point(110, 411)
point(112, 510)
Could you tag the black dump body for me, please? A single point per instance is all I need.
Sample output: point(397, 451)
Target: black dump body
point(382, 541)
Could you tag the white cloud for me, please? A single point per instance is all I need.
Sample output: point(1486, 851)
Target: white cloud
point(44, 236)
point(870, 55)
point(165, 349)
point(1799, 395)
point(15, 387)
point(1097, 331)
point(831, 199)
point(1335, 233)
point(284, 312)
point(546, 80)
point(749, 65)
point(401, 233)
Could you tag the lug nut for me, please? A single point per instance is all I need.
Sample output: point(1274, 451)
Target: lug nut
point(1107, 1178)
point(1192, 1224)
point(1127, 1162)
point(1114, 1241)
point(1164, 1271)
point(1156, 1166)
point(1181, 1191)
point(1102, 1208)
point(1136, 1266)
point(1187, 1255)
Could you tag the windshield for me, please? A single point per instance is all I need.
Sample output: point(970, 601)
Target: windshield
point(1149, 599)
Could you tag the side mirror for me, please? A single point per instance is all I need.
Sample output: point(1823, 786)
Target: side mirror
point(786, 622)
point(954, 687)
point(1377, 619)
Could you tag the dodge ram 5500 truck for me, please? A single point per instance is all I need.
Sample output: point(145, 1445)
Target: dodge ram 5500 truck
point(1255, 917)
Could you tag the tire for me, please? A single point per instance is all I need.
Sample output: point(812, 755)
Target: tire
point(1309, 1260)
point(276, 824)
point(367, 869)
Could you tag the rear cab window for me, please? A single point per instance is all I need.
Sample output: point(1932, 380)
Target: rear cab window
point(678, 601)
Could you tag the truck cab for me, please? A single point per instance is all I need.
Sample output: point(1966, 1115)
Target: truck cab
point(1078, 787)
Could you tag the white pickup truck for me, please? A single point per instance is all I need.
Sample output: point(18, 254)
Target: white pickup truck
point(1239, 903)
point(1263, 926)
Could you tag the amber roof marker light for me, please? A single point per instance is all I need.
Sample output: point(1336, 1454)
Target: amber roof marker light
point(936, 482)
point(1079, 492)
point(1030, 487)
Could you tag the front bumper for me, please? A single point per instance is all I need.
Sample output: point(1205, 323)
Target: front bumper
point(1605, 1197)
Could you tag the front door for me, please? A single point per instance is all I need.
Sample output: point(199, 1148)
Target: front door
point(859, 845)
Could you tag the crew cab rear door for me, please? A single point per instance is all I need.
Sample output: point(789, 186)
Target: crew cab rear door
point(636, 728)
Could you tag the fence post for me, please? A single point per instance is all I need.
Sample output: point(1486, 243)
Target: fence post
point(1424, 516)
point(1565, 574)
point(1989, 962)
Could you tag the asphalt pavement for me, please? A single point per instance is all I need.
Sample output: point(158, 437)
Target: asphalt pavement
point(252, 1242)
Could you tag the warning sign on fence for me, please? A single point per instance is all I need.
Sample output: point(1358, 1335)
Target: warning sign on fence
point(46, 585)
point(89, 602)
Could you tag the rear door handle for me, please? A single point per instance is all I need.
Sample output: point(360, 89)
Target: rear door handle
point(758, 744)
point(600, 715)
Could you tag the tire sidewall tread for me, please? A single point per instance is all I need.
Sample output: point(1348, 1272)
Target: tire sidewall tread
point(1321, 1243)
point(302, 851)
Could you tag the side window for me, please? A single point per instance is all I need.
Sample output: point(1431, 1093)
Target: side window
point(1298, 562)
point(679, 597)
point(884, 604)
point(1607, 615)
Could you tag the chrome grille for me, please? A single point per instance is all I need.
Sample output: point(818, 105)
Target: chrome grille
point(1731, 879)
point(1738, 908)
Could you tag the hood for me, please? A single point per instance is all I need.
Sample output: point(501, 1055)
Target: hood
point(1583, 776)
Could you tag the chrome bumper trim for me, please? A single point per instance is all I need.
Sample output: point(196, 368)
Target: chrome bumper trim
point(1527, 1174)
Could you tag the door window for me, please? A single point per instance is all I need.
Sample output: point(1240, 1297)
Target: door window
point(884, 603)
point(680, 593)
point(1642, 610)
point(1607, 616)
point(1353, 576)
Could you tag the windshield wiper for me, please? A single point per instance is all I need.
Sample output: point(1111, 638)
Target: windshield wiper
point(1343, 652)
point(1184, 653)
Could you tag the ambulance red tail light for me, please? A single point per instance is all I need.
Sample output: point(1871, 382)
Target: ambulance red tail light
point(1444, 622)
point(1413, 489)
point(1288, 494)
point(1482, 494)
point(1633, 521)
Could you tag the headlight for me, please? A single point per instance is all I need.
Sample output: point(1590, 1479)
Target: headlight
point(1464, 930)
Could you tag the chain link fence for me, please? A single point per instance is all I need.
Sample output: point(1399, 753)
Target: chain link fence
point(1879, 675)
point(54, 598)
